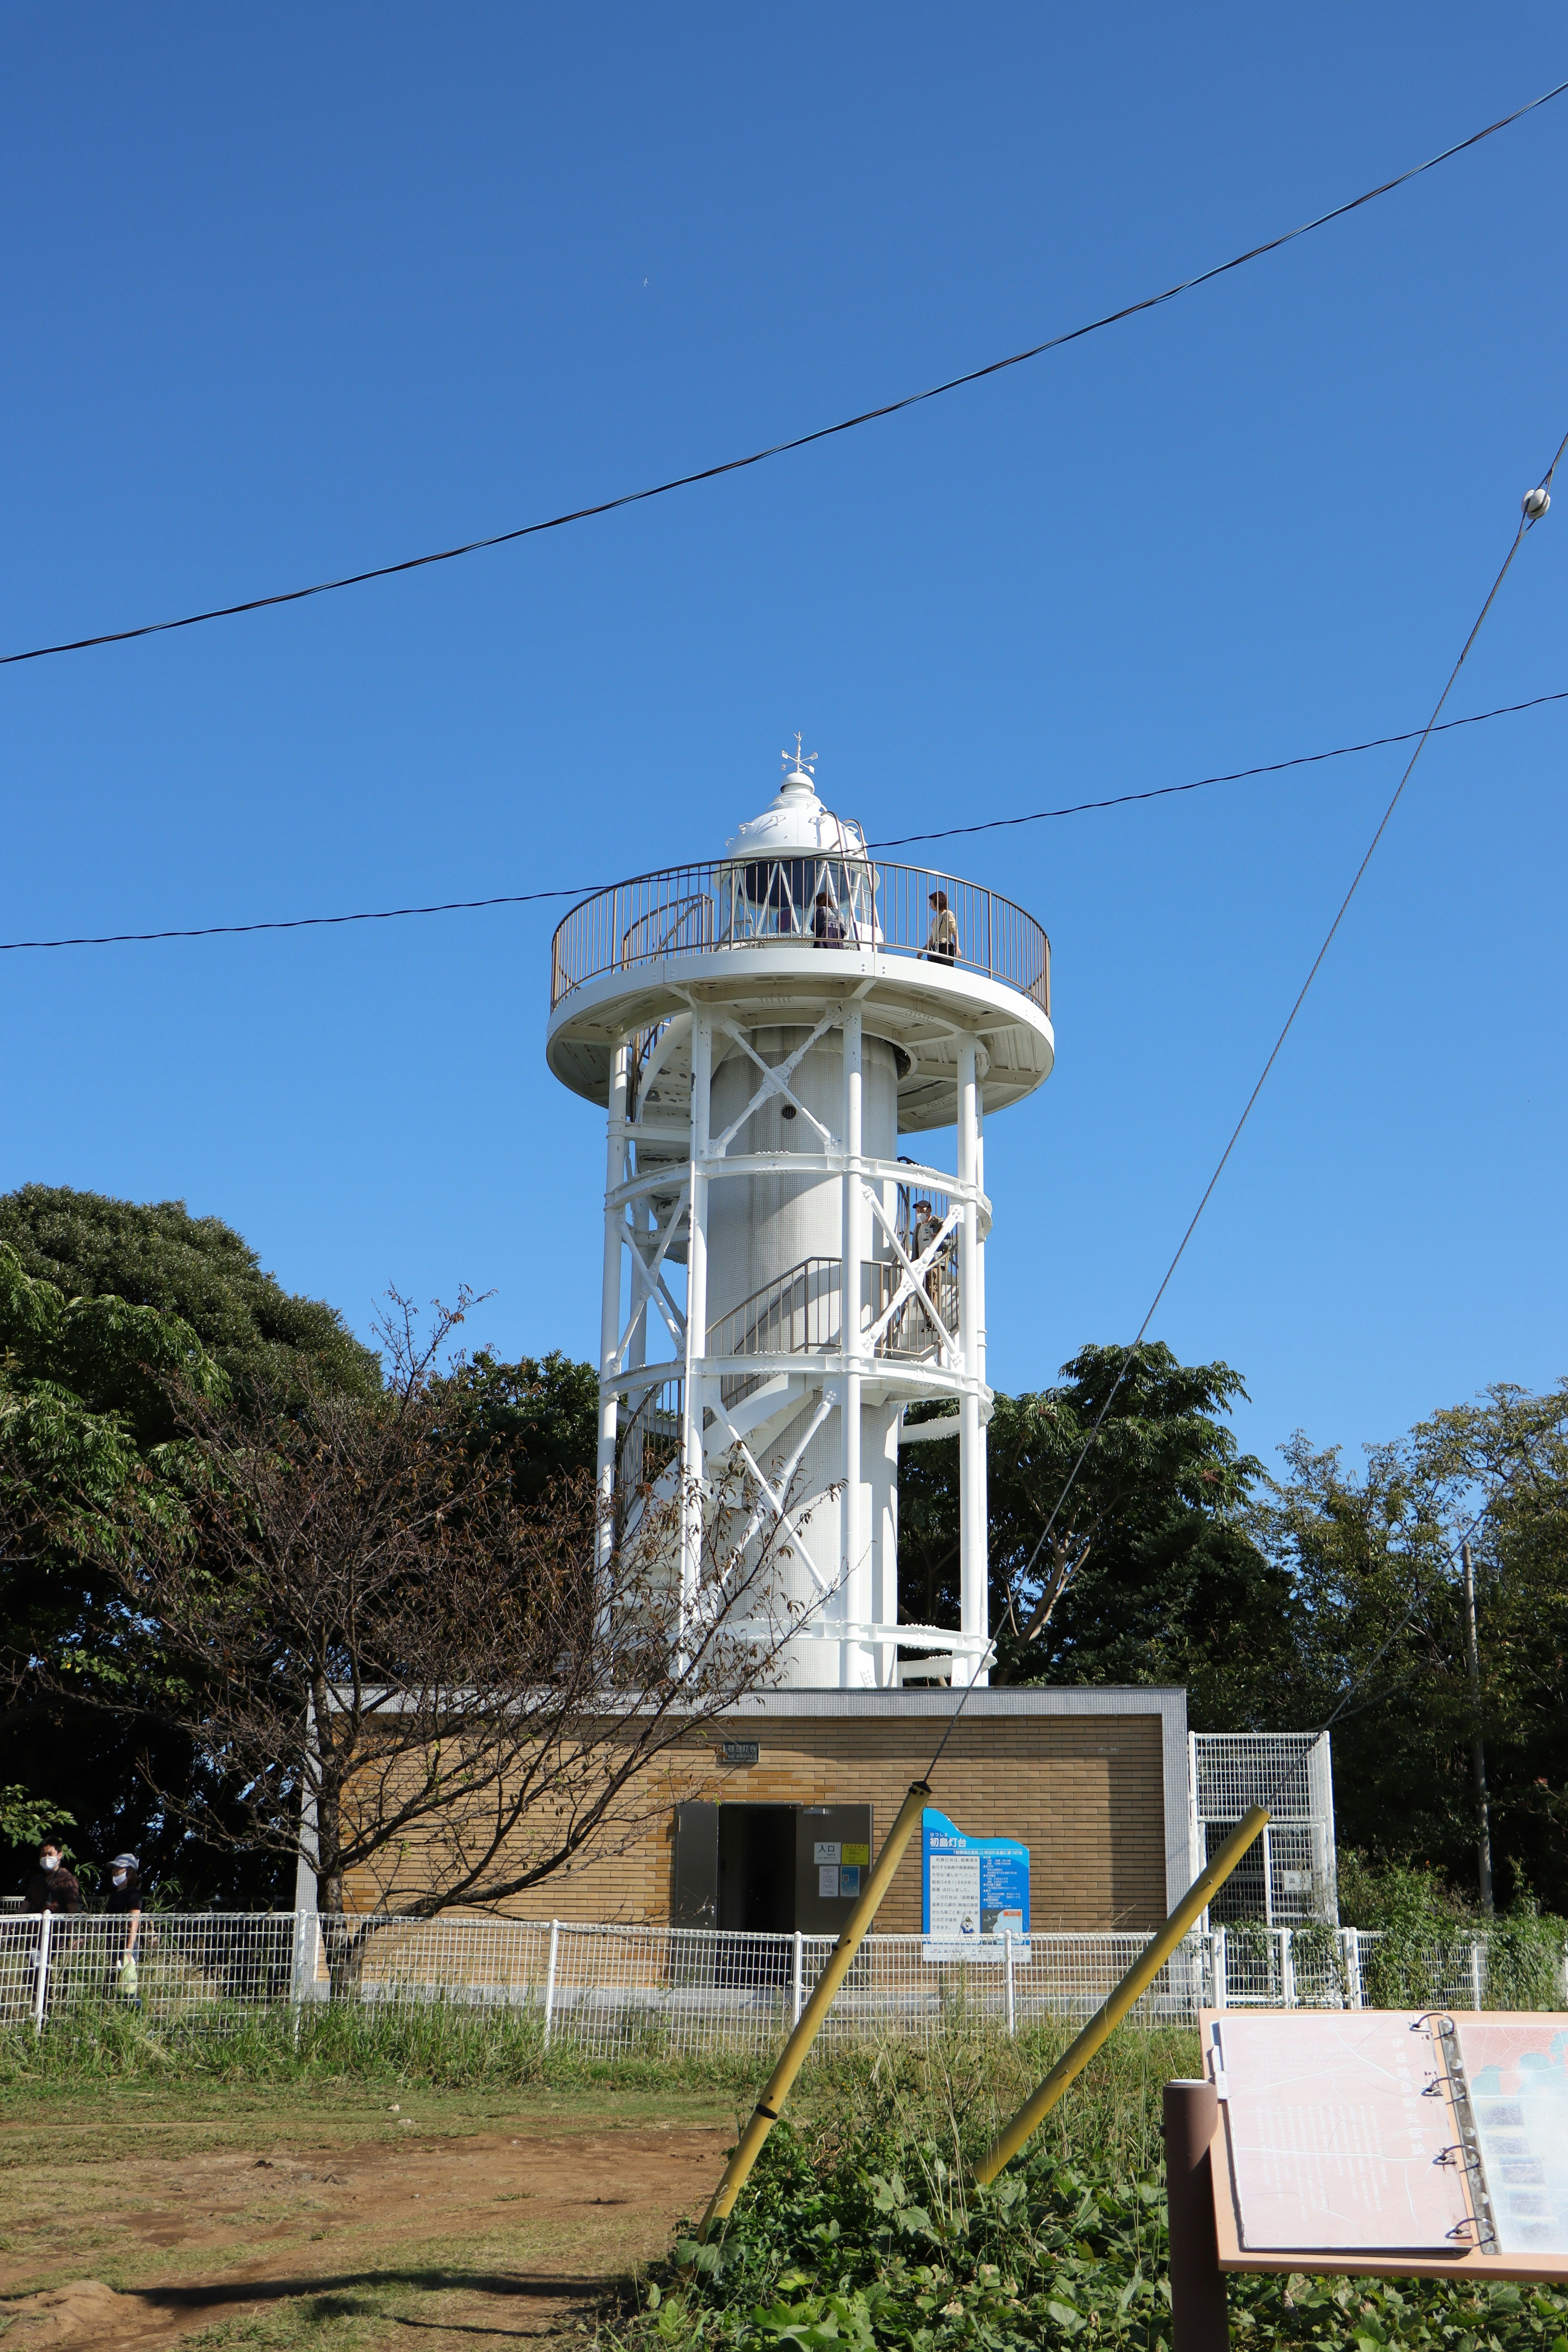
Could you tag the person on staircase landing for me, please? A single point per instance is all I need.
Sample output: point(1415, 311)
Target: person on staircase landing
point(926, 1227)
point(942, 942)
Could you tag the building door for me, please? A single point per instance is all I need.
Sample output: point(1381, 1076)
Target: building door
point(696, 1903)
point(767, 1870)
point(757, 1868)
point(832, 1857)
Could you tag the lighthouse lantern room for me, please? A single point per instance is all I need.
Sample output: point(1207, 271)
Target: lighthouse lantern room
point(781, 1284)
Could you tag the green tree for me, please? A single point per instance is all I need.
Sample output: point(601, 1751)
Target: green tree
point(542, 1412)
point(157, 1255)
point(1148, 1573)
point(103, 1304)
point(1373, 1555)
point(88, 1380)
point(85, 1430)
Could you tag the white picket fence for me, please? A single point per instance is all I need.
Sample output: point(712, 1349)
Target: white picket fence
point(613, 1989)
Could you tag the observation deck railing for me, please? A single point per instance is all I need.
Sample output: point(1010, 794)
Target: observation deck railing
point(822, 903)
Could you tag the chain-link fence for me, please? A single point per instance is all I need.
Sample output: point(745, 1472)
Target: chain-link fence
point(1286, 1876)
point(618, 1991)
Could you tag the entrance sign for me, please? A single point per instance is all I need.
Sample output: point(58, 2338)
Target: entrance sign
point(975, 1892)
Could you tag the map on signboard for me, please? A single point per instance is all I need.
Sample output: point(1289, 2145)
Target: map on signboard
point(1517, 2075)
point(975, 1892)
point(1341, 2134)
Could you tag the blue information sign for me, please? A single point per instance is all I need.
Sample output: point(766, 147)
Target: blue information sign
point(975, 1892)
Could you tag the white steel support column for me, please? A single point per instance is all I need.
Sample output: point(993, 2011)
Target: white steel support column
point(974, 1597)
point(979, 1243)
point(696, 1309)
point(855, 1574)
point(610, 1310)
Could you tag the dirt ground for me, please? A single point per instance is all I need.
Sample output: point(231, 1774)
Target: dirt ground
point(136, 2219)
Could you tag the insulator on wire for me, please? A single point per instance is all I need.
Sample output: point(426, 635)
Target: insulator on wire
point(1535, 503)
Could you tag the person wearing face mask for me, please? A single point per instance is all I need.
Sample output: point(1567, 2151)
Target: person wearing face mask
point(51, 1886)
point(124, 1903)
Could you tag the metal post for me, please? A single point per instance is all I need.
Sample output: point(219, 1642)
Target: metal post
point(1007, 1958)
point(1117, 2003)
point(1286, 1970)
point(974, 1597)
point(1350, 1945)
point(1477, 1751)
point(1478, 1974)
point(40, 1989)
point(1221, 1985)
point(550, 1978)
point(610, 1319)
point(1268, 1881)
point(769, 2107)
point(798, 1944)
point(854, 1603)
point(696, 1314)
point(979, 1242)
point(1200, 2321)
point(297, 1988)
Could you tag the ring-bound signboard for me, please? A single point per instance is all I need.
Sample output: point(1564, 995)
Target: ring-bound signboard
point(1391, 2141)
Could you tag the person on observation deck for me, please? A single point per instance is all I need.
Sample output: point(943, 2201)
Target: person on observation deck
point(826, 924)
point(942, 942)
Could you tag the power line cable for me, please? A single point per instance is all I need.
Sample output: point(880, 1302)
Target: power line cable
point(582, 890)
point(1533, 507)
point(1235, 776)
point(803, 440)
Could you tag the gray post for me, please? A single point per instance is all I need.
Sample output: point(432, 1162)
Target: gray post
point(1478, 1752)
point(1200, 2321)
point(550, 1978)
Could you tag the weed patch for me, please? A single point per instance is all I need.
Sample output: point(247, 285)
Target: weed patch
point(865, 2229)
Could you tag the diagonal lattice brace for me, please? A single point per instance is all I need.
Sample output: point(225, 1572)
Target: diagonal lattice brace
point(648, 1283)
point(774, 1500)
point(774, 1082)
point(913, 1279)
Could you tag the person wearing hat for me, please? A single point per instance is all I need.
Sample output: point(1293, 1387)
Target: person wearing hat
point(941, 943)
point(124, 1903)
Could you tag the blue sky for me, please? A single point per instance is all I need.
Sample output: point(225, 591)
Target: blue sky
point(293, 292)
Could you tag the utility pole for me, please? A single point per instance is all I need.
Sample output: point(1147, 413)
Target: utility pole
point(1477, 1753)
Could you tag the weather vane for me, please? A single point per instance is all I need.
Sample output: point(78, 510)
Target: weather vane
point(802, 766)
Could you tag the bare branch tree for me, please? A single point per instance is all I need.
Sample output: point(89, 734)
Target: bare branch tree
point(389, 1657)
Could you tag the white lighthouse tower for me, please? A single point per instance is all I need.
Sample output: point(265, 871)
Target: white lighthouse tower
point(764, 1031)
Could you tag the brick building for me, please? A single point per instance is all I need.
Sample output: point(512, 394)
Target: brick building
point(1094, 1782)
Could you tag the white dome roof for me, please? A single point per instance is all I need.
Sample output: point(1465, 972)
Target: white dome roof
point(795, 820)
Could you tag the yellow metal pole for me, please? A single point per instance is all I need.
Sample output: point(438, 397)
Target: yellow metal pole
point(1137, 1980)
point(769, 2107)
